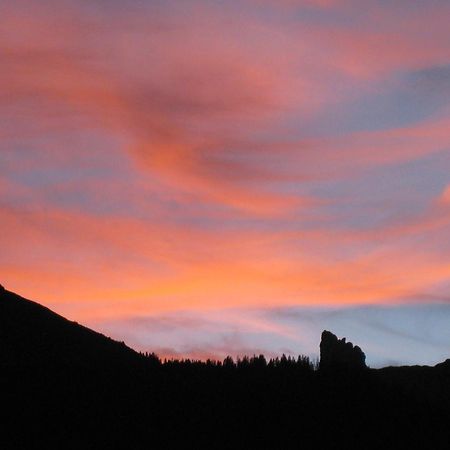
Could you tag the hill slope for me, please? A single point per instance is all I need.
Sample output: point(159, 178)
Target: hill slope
point(32, 334)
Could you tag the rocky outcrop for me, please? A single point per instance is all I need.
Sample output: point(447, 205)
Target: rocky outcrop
point(338, 354)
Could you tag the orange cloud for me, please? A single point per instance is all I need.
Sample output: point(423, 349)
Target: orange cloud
point(205, 110)
point(176, 108)
point(113, 267)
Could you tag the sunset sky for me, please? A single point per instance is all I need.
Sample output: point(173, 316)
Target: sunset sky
point(203, 178)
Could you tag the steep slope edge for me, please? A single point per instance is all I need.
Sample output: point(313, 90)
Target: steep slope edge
point(32, 334)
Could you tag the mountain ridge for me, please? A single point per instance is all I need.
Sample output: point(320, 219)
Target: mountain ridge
point(29, 330)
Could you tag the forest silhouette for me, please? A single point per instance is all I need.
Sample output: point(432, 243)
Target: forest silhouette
point(63, 385)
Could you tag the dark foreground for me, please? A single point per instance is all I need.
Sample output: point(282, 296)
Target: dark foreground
point(65, 386)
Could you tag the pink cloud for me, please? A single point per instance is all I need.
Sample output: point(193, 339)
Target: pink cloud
point(183, 107)
point(198, 107)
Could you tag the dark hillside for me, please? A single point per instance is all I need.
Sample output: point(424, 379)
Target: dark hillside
point(32, 334)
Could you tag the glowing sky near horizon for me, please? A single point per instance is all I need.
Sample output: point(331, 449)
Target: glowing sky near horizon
point(212, 177)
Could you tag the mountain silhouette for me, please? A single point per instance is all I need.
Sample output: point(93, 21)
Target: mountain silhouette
point(65, 386)
point(33, 334)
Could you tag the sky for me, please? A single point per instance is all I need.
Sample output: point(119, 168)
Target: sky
point(204, 178)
